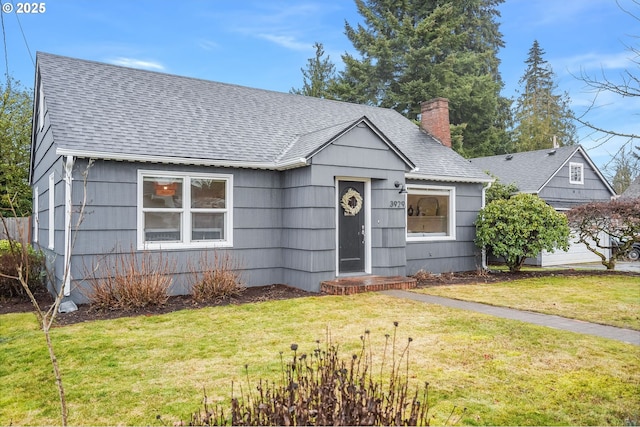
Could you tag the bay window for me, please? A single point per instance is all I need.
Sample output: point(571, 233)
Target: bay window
point(178, 210)
point(430, 213)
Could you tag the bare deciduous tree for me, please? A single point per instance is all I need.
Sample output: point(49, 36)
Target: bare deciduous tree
point(607, 226)
point(626, 85)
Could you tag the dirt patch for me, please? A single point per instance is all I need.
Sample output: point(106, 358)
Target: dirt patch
point(275, 292)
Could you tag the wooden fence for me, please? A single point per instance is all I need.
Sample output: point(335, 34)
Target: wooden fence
point(19, 229)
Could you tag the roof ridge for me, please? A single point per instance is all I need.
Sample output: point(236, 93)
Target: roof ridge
point(571, 148)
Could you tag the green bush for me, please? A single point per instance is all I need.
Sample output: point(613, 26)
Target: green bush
point(14, 259)
point(521, 227)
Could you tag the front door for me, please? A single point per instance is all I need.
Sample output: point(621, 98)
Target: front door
point(351, 226)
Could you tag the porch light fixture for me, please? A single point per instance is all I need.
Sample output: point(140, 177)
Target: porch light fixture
point(403, 189)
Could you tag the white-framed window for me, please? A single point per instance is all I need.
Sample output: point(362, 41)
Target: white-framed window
point(36, 214)
point(576, 173)
point(431, 213)
point(52, 210)
point(184, 210)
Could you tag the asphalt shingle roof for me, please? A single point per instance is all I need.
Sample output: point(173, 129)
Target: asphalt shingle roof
point(633, 191)
point(101, 108)
point(529, 170)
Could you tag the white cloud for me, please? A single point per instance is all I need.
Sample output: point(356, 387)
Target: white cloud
point(595, 61)
point(552, 13)
point(287, 24)
point(138, 63)
point(208, 44)
point(287, 42)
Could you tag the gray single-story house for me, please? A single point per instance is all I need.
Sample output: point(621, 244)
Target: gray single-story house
point(563, 177)
point(298, 190)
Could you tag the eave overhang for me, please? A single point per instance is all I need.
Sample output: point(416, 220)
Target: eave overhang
point(126, 157)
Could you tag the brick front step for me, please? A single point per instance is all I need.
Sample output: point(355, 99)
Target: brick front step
point(358, 284)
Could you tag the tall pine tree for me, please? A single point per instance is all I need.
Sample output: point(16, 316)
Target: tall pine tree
point(415, 50)
point(541, 116)
point(319, 75)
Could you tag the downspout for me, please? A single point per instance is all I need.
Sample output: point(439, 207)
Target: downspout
point(68, 206)
point(485, 267)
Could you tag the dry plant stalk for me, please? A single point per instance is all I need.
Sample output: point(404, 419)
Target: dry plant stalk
point(215, 279)
point(46, 318)
point(423, 276)
point(130, 282)
point(320, 388)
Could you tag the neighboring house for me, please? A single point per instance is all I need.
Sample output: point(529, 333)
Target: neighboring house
point(564, 177)
point(297, 189)
point(633, 190)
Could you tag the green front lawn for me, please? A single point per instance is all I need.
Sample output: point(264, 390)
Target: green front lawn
point(129, 370)
point(609, 299)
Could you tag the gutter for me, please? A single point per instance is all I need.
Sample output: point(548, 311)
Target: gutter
point(290, 164)
point(424, 177)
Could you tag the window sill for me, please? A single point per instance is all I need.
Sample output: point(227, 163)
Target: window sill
point(434, 238)
point(183, 246)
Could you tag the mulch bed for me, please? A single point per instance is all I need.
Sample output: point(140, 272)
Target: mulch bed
point(175, 303)
point(269, 293)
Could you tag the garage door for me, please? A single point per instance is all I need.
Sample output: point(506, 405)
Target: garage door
point(577, 253)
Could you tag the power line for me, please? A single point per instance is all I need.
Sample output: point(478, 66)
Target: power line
point(4, 40)
point(25, 40)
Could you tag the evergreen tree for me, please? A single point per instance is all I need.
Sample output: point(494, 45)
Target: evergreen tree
point(319, 75)
point(541, 116)
point(415, 50)
point(626, 167)
point(15, 139)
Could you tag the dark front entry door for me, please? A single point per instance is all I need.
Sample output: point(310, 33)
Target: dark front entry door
point(351, 230)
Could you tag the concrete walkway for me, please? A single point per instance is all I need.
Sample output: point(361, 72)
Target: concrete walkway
point(621, 334)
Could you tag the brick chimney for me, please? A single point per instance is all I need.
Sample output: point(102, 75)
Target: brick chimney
point(435, 119)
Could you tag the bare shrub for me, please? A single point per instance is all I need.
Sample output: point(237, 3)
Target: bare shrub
point(423, 276)
point(130, 281)
point(215, 279)
point(322, 389)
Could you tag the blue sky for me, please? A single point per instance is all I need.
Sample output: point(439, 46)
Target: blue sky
point(263, 43)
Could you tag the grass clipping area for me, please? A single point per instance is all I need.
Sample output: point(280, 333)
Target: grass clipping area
point(130, 370)
point(608, 300)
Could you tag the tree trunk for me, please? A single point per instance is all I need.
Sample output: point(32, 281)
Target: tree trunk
point(56, 372)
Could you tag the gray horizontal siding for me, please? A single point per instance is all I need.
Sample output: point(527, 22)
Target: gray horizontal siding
point(308, 197)
point(560, 193)
point(304, 239)
point(309, 218)
point(360, 149)
point(451, 256)
point(284, 222)
point(311, 261)
point(256, 198)
point(110, 222)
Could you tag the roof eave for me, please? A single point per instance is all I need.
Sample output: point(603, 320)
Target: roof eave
point(123, 157)
point(424, 177)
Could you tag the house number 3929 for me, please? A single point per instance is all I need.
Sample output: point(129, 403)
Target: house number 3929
point(396, 204)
